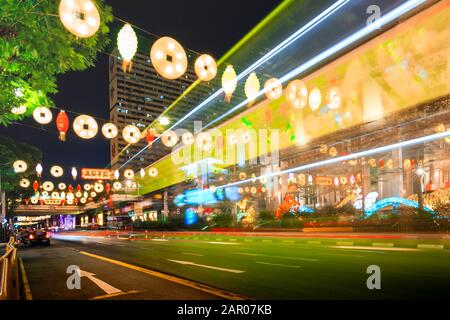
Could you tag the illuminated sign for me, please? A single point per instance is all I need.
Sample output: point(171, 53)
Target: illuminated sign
point(324, 181)
point(52, 201)
point(97, 174)
point(31, 219)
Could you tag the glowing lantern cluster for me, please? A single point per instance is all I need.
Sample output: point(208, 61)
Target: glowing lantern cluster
point(297, 94)
point(169, 58)
point(273, 89)
point(56, 171)
point(42, 115)
point(62, 124)
point(169, 138)
point(205, 67)
point(127, 43)
point(229, 82)
point(79, 17)
point(85, 126)
point(20, 166)
point(252, 87)
point(109, 130)
point(131, 134)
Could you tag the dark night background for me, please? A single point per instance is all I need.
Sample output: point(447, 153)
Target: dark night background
point(201, 25)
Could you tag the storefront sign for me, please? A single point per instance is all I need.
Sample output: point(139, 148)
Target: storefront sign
point(324, 181)
point(52, 201)
point(96, 174)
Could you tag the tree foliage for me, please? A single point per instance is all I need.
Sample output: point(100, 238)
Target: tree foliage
point(35, 47)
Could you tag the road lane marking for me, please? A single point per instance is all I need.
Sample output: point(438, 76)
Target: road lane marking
point(272, 256)
point(198, 286)
point(277, 264)
point(159, 239)
point(107, 296)
point(28, 295)
point(193, 254)
point(109, 289)
point(190, 263)
point(344, 243)
point(430, 246)
point(376, 248)
point(218, 242)
point(313, 242)
point(382, 244)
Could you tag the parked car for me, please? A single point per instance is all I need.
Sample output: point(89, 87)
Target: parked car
point(36, 237)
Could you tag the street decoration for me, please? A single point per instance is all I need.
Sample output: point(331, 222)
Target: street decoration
point(150, 136)
point(42, 115)
point(229, 82)
point(74, 174)
point(187, 138)
point(87, 187)
point(48, 186)
point(85, 126)
point(273, 89)
point(163, 120)
point(116, 174)
point(62, 186)
point(19, 110)
point(127, 44)
point(62, 124)
point(128, 174)
point(169, 138)
point(107, 187)
point(38, 169)
point(97, 174)
point(252, 87)
point(297, 94)
point(56, 171)
point(20, 166)
point(333, 98)
point(131, 134)
point(153, 172)
point(204, 141)
point(24, 183)
point(205, 67)
point(79, 17)
point(315, 99)
point(169, 58)
point(98, 187)
point(142, 173)
point(35, 186)
point(117, 186)
point(110, 130)
point(333, 152)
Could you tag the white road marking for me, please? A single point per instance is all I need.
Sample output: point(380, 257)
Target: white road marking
point(272, 256)
point(277, 264)
point(159, 239)
point(430, 246)
point(206, 266)
point(382, 244)
point(376, 248)
point(218, 242)
point(109, 289)
point(193, 254)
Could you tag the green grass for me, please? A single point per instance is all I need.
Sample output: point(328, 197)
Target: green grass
point(291, 268)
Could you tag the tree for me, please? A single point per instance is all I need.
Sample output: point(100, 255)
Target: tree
point(35, 47)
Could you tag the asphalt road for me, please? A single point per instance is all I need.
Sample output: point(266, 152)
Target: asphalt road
point(256, 267)
point(46, 269)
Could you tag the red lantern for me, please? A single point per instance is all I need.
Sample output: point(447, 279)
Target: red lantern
point(70, 188)
point(381, 163)
point(78, 188)
point(62, 123)
point(35, 186)
point(107, 187)
point(150, 136)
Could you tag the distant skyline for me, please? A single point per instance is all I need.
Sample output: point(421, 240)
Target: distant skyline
point(196, 24)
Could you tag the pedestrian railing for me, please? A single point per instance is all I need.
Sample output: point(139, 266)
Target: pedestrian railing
point(9, 273)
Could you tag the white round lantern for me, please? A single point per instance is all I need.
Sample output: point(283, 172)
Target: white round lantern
point(187, 138)
point(205, 67)
point(34, 200)
point(56, 171)
point(19, 110)
point(78, 194)
point(273, 88)
point(333, 98)
point(42, 115)
point(169, 138)
point(20, 166)
point(87, 187)
point(69, 201)
point(127, 43)
point(24, 183)
point(169, 58)
point(79, 17)
point(98, 187)
point(315, 99)
point(117, 186)
point(83, 200)
point(85, 126)
point(297, 94)
point(204, 141)
point(55, 195)
point(131, 134)
point(153, 172)
point(62, 186)
point(93, 194)
point(142, 173)
point(109, 130)
point(128, 174)
point(48, 186)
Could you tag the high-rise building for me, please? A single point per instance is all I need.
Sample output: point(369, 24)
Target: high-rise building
point(138, 97)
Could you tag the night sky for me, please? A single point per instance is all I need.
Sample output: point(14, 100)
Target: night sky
point(201, 25)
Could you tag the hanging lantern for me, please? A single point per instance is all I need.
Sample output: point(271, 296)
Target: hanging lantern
point(343, 180)
point(62, 186)
point(85, 126)
point(39, 169)
point(163, 120)
point(169, 58)
point(372, 162)
point(229, 82)
point(407, 164)
point(56, 171)
point(48, 186)
point(87, 187)
point(333, 152)
point(205, 67)
point(62, 124)
point(20, 166)
point(187, 138)
point(18, 110)
point(381, 163)
point(24, 183)
point(74, 173)
point(152, 172)
point(98, 187)
point(109, 130)
point(55, 195)
point(34, 200)
point(204, 141)
point(389, 164)
point(142, 173)
point(240, 190)
point(35, 186)
point(79, 17)
point(323, 148)
point(273, 88)
point(439, 128)
point(333, 98)
point(127, 43)
point(352, 179)
point(70, 188)
point(315, 99)
point(83, 200)
point(117, 186)
point(131, 134)
point(107, 187)
point(242, 176)
point(263, 180)
point(78, 194)
point(42, 115)
point(252, 87)
point(128, 174)
point(297, 94)
point(150, 136)
point(116, 174)
point(169, 138)
point(78, 187)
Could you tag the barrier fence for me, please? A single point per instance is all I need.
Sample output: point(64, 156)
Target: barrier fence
point(9, 273)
